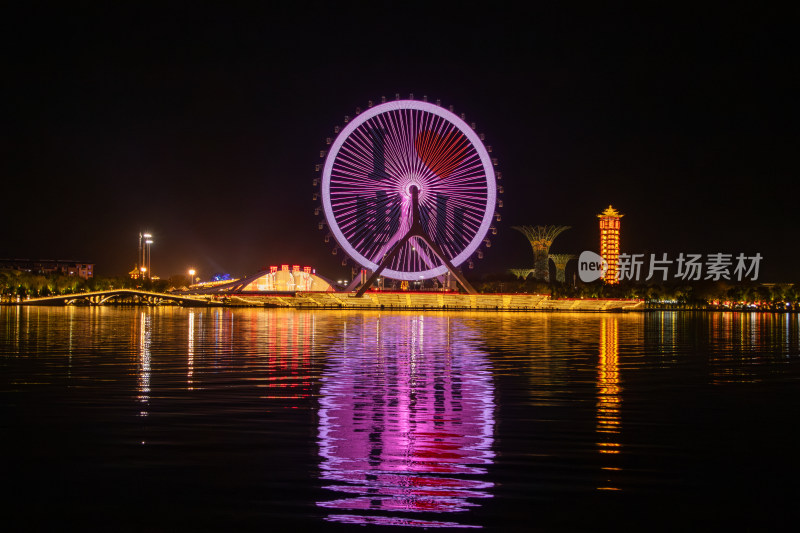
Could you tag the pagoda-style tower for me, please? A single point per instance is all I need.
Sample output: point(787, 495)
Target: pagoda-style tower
point(609, 243)
point(541, 238)
point(561, 260)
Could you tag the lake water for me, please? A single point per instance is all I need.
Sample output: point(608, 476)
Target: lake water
point(167, 419)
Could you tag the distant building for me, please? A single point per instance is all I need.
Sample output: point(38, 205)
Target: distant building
point(286, 278)
point(609, 242)
point(46, 267)
point(141, 273)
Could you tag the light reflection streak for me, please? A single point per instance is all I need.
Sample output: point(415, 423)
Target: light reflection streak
point(609, 393)
point(190, 352)
point(288, 345)
point(69, 344)
point(750, 344)
point(145, 324)
point(406, 421)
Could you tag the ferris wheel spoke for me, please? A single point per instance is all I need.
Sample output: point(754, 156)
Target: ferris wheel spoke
point(360, 152)
point(368, 241)
point(442, 154)
point(397, 148)
point(379, 225)
point(396, 231)
point(360, 170)
point(357, 155)
point(423, 253)
point(363, 157)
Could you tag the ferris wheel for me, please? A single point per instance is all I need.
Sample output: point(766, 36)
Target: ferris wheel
point(409, 190)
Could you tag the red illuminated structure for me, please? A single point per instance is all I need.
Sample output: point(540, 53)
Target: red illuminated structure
point(609, 243)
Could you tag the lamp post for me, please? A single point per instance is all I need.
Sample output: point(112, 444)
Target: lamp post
point(191, 276)
point(140, 256)
point(148, 241)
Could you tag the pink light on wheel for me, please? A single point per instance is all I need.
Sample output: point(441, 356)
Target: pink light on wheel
point(368, 174)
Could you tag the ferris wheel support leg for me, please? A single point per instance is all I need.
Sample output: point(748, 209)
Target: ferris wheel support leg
point(386, 260)
point(416, 230)
point(396, 249)
point(456, 274)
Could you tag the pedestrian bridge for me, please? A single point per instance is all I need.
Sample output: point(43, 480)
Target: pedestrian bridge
point(121, 295)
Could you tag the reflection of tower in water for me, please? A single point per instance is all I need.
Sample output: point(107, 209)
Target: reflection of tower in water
point(608, 395)
point(190, 352)
point(145, 327)
point(406, 421)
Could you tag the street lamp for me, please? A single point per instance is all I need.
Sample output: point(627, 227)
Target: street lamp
point(143, 262)
point(140, 257)
point(191, 276)
point(148, 242)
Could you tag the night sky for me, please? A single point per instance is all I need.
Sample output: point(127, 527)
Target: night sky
point(203, 125)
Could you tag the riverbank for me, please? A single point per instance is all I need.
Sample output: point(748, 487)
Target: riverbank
point(336, 300)
point(440, 301)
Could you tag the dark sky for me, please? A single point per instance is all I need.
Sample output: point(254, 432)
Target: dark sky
point(203, 125)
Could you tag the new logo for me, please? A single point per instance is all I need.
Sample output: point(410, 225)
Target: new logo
point(591, 266)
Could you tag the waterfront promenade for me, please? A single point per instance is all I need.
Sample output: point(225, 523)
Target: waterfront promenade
point(440, 300)
point(335, 300)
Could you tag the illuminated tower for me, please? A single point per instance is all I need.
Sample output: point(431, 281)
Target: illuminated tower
point(561, 260)
point(541, 238)
point(609, 242)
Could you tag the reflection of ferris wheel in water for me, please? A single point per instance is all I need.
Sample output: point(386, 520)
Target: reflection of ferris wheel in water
point(408, 190)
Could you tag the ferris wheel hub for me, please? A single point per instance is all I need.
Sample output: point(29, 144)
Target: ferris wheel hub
point(411, 187)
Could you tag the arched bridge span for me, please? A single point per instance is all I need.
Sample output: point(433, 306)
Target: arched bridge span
point(135, 295)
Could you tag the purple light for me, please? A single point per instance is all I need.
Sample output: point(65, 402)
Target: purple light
point(406, 420)
point(373, 163)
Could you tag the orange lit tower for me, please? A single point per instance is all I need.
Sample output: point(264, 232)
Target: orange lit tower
point(609, 242)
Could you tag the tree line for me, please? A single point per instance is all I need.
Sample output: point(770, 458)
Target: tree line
point(701, 294)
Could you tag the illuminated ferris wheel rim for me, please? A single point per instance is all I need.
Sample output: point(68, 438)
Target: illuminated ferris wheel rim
point(464, 128)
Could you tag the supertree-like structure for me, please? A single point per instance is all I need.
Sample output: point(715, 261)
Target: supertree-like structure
point(521, 273)
point(561, 260)
point(541, 238)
